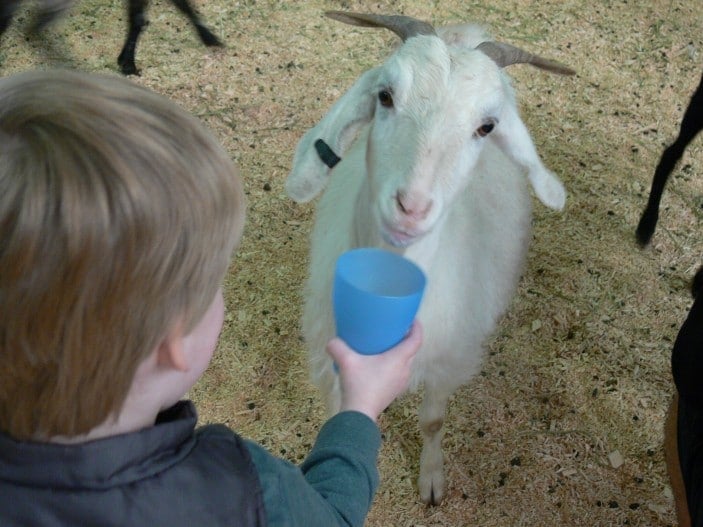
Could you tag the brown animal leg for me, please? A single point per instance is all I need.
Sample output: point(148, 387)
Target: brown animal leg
point(671, 455)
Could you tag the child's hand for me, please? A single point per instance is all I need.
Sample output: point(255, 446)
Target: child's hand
point(371, 382)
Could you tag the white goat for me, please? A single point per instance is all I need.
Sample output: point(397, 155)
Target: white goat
point(433, 158)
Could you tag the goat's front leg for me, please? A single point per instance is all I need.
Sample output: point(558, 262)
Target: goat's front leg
point(137, 21)
point(206, 36)
point(432, 411)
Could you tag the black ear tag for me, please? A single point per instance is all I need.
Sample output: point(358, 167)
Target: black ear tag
point(326, 154)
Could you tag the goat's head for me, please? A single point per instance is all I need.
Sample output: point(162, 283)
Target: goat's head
point(430, 107)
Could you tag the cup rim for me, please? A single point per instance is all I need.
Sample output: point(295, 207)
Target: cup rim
point(417, 274)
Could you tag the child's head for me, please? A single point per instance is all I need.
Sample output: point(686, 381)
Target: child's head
point(118, 216)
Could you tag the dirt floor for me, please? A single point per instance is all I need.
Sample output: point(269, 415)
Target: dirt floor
point(564, 425)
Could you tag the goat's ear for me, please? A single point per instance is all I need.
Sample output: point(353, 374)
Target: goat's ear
point(514, 140)
point(338, 128)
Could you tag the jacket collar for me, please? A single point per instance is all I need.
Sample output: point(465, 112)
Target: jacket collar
point(102, 463)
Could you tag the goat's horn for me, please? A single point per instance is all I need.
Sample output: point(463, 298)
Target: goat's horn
point(403, 26)
point(505, 55)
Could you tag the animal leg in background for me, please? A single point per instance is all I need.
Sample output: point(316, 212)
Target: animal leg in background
point(137, 22)
point(697, 282)
point(691, 124)
point(52, 46)
point(673, 466)
point(206, 36)
point(48, 11)
point(7, 12)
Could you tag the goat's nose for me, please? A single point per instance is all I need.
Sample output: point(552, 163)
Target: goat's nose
point(413, 205)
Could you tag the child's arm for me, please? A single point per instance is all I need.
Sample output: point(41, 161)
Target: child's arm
point(336, 483)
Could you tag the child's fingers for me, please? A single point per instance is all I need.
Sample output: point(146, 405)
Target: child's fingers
point(339, 350)
point(415, 335)
point(410, 345)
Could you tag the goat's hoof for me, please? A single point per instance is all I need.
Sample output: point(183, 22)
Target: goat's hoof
point(431, 500)
point(431, 488)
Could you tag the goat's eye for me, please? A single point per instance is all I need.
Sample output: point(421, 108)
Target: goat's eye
point(485, 129)
point(385, 98)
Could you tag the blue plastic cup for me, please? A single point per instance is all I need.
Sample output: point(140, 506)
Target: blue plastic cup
point(376, 296)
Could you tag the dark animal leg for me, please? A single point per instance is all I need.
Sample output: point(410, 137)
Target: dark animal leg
point(51, 45)
point(7, 11)
point(206, 36)
point(137, 21)
point(691, 124)
point(697, 283)
point(45, 16)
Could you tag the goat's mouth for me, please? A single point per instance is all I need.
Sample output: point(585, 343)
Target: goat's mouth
point(398, 237)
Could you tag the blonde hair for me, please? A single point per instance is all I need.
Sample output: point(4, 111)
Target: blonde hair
point(118, 216)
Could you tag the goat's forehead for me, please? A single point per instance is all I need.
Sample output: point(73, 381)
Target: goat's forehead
point(475, 78)
point(426, 69)
point(420, 63)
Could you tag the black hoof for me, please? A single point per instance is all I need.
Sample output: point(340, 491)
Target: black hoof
point(207, 37)
point(128, 68)
point(646, 226)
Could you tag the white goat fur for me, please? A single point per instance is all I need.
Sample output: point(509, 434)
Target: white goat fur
point(418, 179)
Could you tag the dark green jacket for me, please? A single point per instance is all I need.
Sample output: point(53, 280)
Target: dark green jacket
point(335, 484)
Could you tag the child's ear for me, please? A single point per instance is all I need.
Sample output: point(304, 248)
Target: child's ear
point(170, 351)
